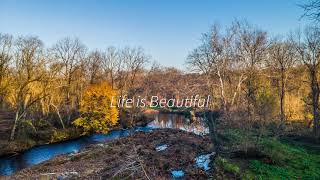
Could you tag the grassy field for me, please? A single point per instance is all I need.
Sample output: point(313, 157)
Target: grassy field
point(276, 158)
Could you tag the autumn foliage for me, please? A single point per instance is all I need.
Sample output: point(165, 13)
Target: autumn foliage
point(96, 113)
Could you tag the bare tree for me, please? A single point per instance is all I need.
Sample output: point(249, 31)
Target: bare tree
point(5, 58)
point(70, 53)
point(208, 60)
point(111, 64)
point(94, 63)
point(134, 60)
point(218, 61)
point(251, 50)
point(29, 65)
point(309, 51)
point(312, 10)
point(281, 58)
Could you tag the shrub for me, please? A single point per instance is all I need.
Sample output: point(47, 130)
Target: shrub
point(97, 115)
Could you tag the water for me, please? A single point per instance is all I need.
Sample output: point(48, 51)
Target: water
point(177, 174)
point(203, 161)
point(176, 121)
point(161, 147)
point(36, 155)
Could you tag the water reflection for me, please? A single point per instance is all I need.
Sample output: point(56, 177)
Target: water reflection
point(175, 121)
point(36, 155)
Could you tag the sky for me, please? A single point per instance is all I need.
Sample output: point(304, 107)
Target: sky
point(168, 30)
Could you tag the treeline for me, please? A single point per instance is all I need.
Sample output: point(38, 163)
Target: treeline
point(254, 78)
point(40, 83)
point(258, 79)
point(36, 81)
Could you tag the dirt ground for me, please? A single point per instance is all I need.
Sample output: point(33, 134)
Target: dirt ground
point(132, 157)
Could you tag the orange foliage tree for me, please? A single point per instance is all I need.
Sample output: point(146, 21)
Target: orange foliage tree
point(97, 115)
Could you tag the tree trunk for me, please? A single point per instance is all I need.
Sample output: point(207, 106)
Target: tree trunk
point(282, 101)
point(238, 89)
point(14, 126)
point(223, 97)
point(58, 113)
point(315, 102)
point(212, 123)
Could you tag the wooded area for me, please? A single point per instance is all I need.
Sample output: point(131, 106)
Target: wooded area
point(249, 74)
point(263, 117)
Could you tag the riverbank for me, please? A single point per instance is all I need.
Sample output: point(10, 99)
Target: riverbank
point(45, 133)
point(161, 152)
point(49, 135)
point(137, 156)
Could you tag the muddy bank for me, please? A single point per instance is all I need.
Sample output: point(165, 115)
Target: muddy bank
point(130, 157)
point(52, 135)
